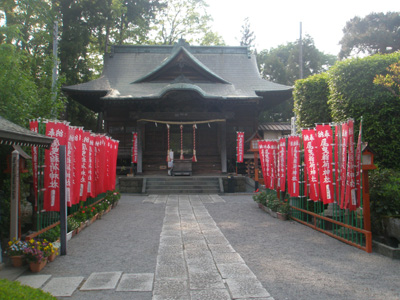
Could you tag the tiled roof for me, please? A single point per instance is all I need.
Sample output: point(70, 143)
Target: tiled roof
point(232, 70)
point(13, 134)
point(274, 126)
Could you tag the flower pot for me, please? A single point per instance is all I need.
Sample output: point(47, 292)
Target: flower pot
point(37, 266)
point(17, 261)
point(52, 257)
point(69, 235)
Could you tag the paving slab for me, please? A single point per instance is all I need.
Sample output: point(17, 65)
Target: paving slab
point(221, 248)
point(63, 286)
point(235, 271)
point(136, 283)
point(101, 281)
point(227, 258)
point(205, 280)
point(35, 281)
point(171, 289)
point(214, 294)
point(246, 288)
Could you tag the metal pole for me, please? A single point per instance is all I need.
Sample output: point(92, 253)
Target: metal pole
point(301, 52)
point(55, 64)
point(63, 201)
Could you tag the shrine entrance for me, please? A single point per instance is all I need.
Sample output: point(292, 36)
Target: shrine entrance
point(197, 141)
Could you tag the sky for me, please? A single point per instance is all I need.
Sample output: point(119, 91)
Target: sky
point(277, 22)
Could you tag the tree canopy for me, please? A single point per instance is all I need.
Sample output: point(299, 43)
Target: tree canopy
point(390, 80)
point(281, 64)
point(248, 36)
point(376, 33)
point(184, 19)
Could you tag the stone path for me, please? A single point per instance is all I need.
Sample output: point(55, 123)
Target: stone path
point(195, 261)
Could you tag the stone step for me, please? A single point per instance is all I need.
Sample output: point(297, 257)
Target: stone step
point(181, 191)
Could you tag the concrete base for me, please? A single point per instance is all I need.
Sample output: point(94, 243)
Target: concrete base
point(386, 250)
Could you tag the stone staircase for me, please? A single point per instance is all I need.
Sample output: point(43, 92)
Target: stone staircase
point(183, 185)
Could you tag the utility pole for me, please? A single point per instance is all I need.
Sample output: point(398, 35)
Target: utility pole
point(55, 65)
point(301, 52)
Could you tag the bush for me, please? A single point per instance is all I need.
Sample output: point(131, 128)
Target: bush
point(384, 196)
point(353, 94)
point(14, 290)
point(311, 101)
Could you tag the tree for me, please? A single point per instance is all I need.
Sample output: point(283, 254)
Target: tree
point(391, 80)
point(281, 64)
point(376, 33)
point(184, 19)
point(248, 35)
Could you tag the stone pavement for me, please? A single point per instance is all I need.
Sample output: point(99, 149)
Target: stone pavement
point(209, 247)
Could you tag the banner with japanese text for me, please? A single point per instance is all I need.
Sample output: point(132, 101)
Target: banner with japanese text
point(34, 126)
point(282, 165)
point(358, 166)
point(293, 165)
point(324, 150)
point(135, 148)
point(261, 150)
point(273, 146)
point(59, 131)
point(70, 167)
point(310, 158)
point(343, 163)
point(240, 147)
point(337, 164)
point(85, 166)
point(351, 194)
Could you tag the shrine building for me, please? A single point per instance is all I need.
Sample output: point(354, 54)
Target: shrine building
point(191, 99)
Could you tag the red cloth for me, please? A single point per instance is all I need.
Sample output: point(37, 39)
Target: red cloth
point(358, 167)
point(240, 147)
point(34, 126)
point(84, 174)
point(351, 195)
point(310, 156)
point(293, 162)
point(135, 148)
point(282, 165)
point(59, 131)
point(77, 165)
point(325, 159)
point(336, 156)
point(343, 163)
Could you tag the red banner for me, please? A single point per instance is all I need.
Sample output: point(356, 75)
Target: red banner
point(83, 182)
point(343, 163)
point(351, 195)
point(293, 162)
point(70, 166)
point(59, 131)
point(336, 155)
point(273, 145)
point(240, 147)
point(324, 150)
point(34, 126)
point(91, 167)
point(135, 148)
point(261, 151)
point(310, 158)
point(77, 164)
point(282, 165)
point(358, 167)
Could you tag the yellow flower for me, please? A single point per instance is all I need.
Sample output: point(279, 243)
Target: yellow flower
point(32, 241)
point(9, 243)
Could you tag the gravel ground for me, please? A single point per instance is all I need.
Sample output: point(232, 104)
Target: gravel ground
point(292, 261)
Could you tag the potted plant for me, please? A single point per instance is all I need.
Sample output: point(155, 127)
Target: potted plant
point(15, 251)
point(49, 250)
point(35, 255)
point(283, 210)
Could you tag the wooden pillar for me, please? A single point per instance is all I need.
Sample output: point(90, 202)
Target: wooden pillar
point(140, 131)
point(14, 210)
point(366, 202)
point(223, 148)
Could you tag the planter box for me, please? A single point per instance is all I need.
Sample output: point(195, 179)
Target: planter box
point(268, 210)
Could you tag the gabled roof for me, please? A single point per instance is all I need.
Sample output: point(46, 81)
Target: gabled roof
point(13, 134)
point(145, 73)
point(275, 126)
